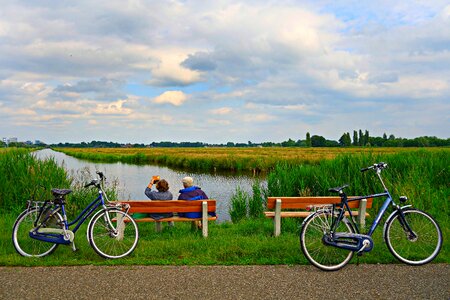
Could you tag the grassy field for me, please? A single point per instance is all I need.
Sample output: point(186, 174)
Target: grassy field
point(246, 243)
point(228, 159)
point(422, 175)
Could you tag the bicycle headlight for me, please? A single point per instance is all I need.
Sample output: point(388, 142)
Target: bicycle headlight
point(403, 199)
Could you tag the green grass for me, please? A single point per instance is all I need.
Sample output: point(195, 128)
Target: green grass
point(248, 242)
point(422, 176)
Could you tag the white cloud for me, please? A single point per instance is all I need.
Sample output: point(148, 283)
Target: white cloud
point(222, 111)
point(269, 64)
point(176, 98)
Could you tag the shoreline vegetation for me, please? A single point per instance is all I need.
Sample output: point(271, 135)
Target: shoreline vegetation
point(253, 160)
point(423, 175)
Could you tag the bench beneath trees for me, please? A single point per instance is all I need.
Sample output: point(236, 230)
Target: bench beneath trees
point(205, 207)
point(288, 207)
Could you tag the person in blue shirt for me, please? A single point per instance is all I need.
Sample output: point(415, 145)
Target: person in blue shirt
point(191, 192)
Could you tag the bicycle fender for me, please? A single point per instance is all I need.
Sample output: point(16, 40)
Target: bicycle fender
point(394, 213)
point(90, 221)
point(308, 217)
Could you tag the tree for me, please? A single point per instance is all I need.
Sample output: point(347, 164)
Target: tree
point(345, 140)
point(318, 141)
point(355, 138)
point(288, 143)
point(384, 136)
point(361, 138)
point(308, 140)
point(366, 138)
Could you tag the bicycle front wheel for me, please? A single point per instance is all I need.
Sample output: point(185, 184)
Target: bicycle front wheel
point(321, 255)
point(417, 249)
point(23, 243)
point(116, 241)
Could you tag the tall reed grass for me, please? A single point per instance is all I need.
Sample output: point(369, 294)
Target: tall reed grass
point(24, 177)
point(216, 159)
point(423, 176)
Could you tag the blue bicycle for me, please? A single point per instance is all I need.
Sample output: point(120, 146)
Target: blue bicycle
point(43, 226)
point(329, 239)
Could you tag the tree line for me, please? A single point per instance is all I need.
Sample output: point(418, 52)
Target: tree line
point(357, 139)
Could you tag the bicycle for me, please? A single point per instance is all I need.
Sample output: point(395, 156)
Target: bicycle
point(43, 226)
point(329, 239)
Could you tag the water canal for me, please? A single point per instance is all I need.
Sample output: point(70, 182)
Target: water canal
point(132, 179)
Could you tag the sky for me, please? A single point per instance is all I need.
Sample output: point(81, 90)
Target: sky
point(223, 71)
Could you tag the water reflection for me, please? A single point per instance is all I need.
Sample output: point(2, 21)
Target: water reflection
point(134, 178)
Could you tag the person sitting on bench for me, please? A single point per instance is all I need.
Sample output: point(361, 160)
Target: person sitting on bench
point(191, 192)
point(162, 193)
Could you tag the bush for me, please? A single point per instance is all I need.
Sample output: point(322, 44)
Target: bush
point(239, 205)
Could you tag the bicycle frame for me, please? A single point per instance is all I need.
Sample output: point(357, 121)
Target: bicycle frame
point(84, 215)
point(380, 214)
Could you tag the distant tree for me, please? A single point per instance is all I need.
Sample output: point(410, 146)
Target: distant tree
point(318, 141)
point(345, 140)
point(355, 138)
point(308, 140)
point(361, 138)
point(288, 143)
point(384, 136)
point(230, 144)
point(366, 138)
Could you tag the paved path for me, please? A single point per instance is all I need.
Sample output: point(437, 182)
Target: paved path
point(226, 282)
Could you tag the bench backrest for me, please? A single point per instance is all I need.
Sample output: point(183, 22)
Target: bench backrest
point(305, 202)
point(168, 206)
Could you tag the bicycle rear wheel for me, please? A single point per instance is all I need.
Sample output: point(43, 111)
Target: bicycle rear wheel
point(113, 242)
point(417, 250)
point(324, 257)
point(23, 243)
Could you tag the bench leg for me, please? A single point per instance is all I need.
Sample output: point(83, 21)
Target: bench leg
point(120, 226)
point(205, 219)
point(158, 226)
point(277, 218)
point(362, 212)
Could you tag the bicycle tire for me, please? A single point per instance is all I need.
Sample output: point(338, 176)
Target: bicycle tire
point(324, 257)
point(105, 241)
point(417, 251)
point(23, 243)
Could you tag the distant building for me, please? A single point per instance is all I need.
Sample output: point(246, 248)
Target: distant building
point(12, 140)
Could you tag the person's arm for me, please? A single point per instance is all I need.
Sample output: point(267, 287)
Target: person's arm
point(148, 189)
point(148, 192)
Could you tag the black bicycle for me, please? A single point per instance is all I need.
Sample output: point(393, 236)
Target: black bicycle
point(329, 239)
point(43, 226)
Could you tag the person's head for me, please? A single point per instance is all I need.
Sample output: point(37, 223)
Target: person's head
point(162, 185)
point(187, 181)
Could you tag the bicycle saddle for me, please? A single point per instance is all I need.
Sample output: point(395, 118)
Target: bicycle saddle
point(60, 192)
point(338, 189)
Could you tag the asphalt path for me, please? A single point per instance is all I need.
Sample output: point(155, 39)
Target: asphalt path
point(225, 282)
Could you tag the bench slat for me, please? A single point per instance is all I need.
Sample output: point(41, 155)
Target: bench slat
point(301, 214)
point(173, 206)
point(161, 206)
point(305, 202)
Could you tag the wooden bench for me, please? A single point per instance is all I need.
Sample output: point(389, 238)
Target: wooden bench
point(204, 207)
point(304, 203)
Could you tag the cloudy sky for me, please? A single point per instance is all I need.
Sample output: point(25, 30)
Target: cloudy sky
point(219, 71)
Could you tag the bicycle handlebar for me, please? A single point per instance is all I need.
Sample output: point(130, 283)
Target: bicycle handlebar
point(96, 182)
point(378, 166)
